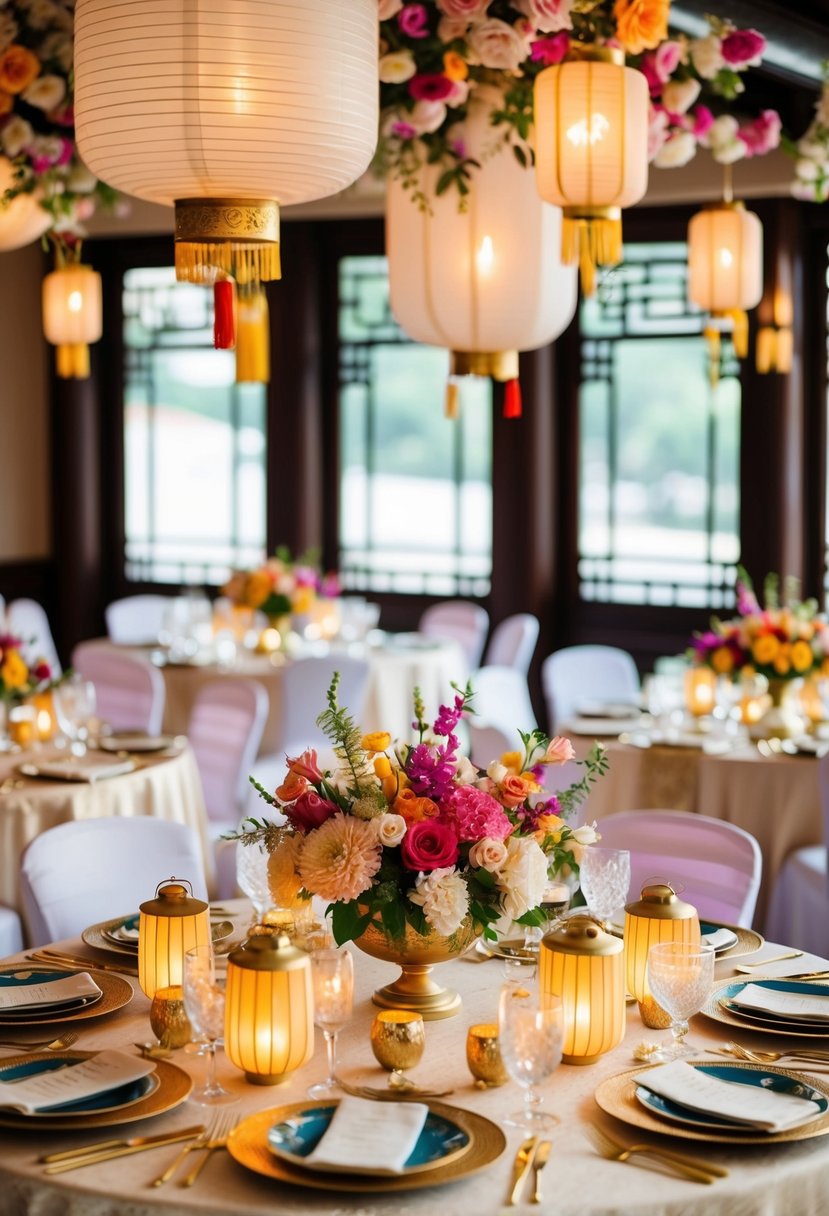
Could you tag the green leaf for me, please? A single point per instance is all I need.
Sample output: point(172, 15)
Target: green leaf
point(347, 922)
point(393, 918)
point(536, 917)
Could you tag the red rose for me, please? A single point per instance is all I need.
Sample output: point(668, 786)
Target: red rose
point(429, 845)
point(42, 671)
point(309, 811)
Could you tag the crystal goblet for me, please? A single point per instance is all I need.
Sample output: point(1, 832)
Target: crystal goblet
point(531, 1042)
point(680, 976)
point(604, 875)
point(205, 976)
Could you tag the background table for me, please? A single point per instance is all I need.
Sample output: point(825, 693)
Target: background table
point(764, 1180)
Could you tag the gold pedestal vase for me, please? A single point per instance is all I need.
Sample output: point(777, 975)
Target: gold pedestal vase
point(416, 954)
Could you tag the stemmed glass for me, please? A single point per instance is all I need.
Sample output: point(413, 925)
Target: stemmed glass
point(604, 875)
point(531, 1040)
point(680, 976)
point(205, 977)
point(252, 877)
point(75, 707)
point(332, 972)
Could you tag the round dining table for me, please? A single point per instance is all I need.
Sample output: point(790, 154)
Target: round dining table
point(762, 1180)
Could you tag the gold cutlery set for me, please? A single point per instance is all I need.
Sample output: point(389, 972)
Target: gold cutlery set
point(532, 1155)
point(57, 958)
point(678, 1163)
point(799, 1057)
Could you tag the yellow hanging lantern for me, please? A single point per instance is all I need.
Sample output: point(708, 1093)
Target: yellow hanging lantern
point(584, 967)
point(774, 350)
point(269, 1009)
point(659, 916)
point(168, 926)
point(72, 316)
point(591, 150)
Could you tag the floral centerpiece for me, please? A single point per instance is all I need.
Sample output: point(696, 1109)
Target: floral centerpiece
point(282, 586)
point(19, 678)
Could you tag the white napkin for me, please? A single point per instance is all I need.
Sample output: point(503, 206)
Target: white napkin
point(720, 939)
point(106, 1070)
point(55, 992)
point(370, 1135)
point(84, 768)
point(804, 964)
point(750, 1105)
point(793, 1005)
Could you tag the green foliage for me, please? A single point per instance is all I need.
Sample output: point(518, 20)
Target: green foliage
point(347, 921)
point(595, 765)
point(340, 728)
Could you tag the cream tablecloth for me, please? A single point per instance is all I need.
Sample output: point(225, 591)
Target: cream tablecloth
point(763, 1181)
point(167, 787)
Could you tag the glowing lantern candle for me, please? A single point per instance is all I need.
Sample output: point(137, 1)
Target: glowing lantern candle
point(584, 967)
point(700, 691)
point(72, 316)
point(168, 926)
point(269, 1009)
point(659, 916)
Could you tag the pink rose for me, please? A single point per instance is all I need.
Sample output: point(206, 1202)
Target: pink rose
point(666, 59)
point(550, 50)
point(467, 10)
point(309, 811)
point(743, 48)
point(547, 15)
point(657, 130)
point(432, 86)
point(429, 845)
point(413, 20)
point(703, 121)
point(762, 135)
point(305, 765)
point(496, 44)
point(559, 751)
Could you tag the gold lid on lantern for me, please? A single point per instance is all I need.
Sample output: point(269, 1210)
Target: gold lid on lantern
point(169, 925)
point(584, 966)
point(658, 916)
point(269, 1012)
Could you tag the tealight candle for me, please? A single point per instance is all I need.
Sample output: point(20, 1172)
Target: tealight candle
point(700, 691)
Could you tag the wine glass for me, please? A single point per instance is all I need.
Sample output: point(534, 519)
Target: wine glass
point(604, 875)
point(252, 877)
point(74, 700)
point(680, 976)
point(205, 977)
point(332, 972)
point(531, 1040)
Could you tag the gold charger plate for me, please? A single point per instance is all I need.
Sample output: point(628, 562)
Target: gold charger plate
point(173, 1087)
point(718, 1012)
point(97, 935)
point(617, 1097)
point(117, 992)
point(248, 1144)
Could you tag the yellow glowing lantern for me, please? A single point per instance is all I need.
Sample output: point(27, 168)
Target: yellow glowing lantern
point(591, 150)
point(659, 916)
point(584, 967)
point(700, 691)
point(72, 316)
point(22, 220)
point(269, 1009)
point(774, 350)
point(168, 926)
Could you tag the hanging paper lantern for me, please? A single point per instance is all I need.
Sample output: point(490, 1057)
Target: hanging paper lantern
point(229, 109)
point(591, 150)
point(22, 220)
point(485, 281)
point(72, 316)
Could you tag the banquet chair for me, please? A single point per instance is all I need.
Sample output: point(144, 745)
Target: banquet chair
point(11, 932)
point(89, 870)
point(585, 673)
point(129, 692)
point(716, 865)
point(799, 908)
point(458, 621)
point(502, 707)
point(513, 642)
point(136, 620)
point(27, 620)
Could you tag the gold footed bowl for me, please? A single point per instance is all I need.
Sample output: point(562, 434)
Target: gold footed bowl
point(415, 954)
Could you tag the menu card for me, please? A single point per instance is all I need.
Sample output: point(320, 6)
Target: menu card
point(377, 1136)
point(74, 1082)
point(55, 992)
point(83, 768)
point(750, 1105)
point(792, 1005)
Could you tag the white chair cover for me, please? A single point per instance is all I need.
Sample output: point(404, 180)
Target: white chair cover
point(460, 621)
point(513, 642)
point(717, 865)
point(585, 673)
point(89, 870)
point(11, 933)
point(27, 620)
point(225, 731)
point(502, 707)
point(136, 620)
point(799, 910)
point(129, 691)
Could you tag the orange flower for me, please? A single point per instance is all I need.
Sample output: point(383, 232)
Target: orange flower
point(641, 24)
point(18, 68)
point(14, 671)
point(258, 587)
point(291, 787)
point(801, 656)
point(722, 660)
point(6, 102)
point(513, 790)
point(454, 66)
point(765, 649)
point(413, 808)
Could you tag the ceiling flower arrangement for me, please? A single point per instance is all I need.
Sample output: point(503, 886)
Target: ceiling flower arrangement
point(36, 115)
point(811, 152)
point(434, 55)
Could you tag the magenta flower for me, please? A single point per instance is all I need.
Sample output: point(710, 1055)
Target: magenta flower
point(550, 50)
point(742, 48)
point(448, 718)
point(703, 121)
point(762, 135)
point(429, 845)
point(403, 130)
point(309, 811)
point(431, 769)
point(413, 21)
point(475, 814)
point(8, 641)
point(432, 86)
point(458, 146)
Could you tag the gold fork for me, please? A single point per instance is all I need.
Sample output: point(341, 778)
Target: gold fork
point(227, 1121)
point(687, 1167)
point(65, 1040)
point(211, 1130)
point(755, 1056)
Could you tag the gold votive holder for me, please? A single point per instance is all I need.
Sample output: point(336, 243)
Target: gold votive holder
point(22, 725)
point(483, 1055)
point(168, 1017)
point(398, 1038)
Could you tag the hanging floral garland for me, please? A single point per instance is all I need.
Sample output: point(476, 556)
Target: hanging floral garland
point(811, 152)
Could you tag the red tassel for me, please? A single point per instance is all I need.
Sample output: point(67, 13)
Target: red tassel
point(224, 320)
point(512, 399)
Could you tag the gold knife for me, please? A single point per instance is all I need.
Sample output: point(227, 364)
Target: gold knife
point(521, 1167)
point(140, 1144)
point(74, 961)
point(542, 1156)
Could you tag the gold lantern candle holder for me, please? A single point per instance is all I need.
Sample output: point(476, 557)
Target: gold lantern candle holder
point(658, 916)
point(269, 1009)
point(700, 691)
point(584, 967)
point(168, 926)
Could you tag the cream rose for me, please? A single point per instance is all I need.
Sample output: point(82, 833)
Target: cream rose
point(497, 771)
point(443, 896)
point(497, 45)
point(559, 751)
point(47, 92)
point(391, 829)
point(463, 10)
point(523, 877)
point(678, 149)
point(397, 67)
point(450, 28)
point(425, 116)
point(17, 135)
point(488, 854)
point(547, 15)
point(680, 95)
point(706, 56)
point(465, 771)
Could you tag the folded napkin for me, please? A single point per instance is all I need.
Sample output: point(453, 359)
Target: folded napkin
point(369, 1135)
point(746, 1105)
point(84, 768)
point(106, 1070)
point(720, 939)
point(787, 968)
point(54, 992)
point(792, 1005)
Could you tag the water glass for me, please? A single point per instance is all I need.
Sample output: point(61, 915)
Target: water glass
point(605, 878)
point(74, 701)
point(680, 977)
point(531, 1042)
point(252, 877)
point(332, 972)
point(205, 977)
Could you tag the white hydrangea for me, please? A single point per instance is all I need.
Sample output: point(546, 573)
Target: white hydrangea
point(523, 876)
point(443, 896)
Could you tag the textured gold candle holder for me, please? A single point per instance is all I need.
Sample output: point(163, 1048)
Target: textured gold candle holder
point(398, 1038)
point(483, 1055)
point(168, 1018)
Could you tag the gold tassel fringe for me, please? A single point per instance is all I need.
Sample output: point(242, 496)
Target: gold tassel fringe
point(72, 361)
point(201, 261)
point(452, 402)
point(591, 242)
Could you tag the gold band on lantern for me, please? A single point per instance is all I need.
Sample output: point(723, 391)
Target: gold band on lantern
point(72, 361)
point(238, 237)
point(501, 365)
point(591, 52)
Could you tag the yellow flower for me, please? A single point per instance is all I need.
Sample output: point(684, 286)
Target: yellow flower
point(14, 671)
point(303, 599)
point(376, 741)
point(454, 66)
point(802, 657)
point(382, 766)
point(765, 649)
point(641, 24)
point(722, 660)
point(257, 588)
point(512, 761)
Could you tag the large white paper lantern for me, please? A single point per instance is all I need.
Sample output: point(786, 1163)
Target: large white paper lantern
point(591, 149)
point(23, 220)
point(485, 281)
point(229, 109)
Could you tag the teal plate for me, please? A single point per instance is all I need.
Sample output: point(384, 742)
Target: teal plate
point(778, 1083)
point(293, 1140)
point(112, 1099)
point(22, 976)
point(771, 1021)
